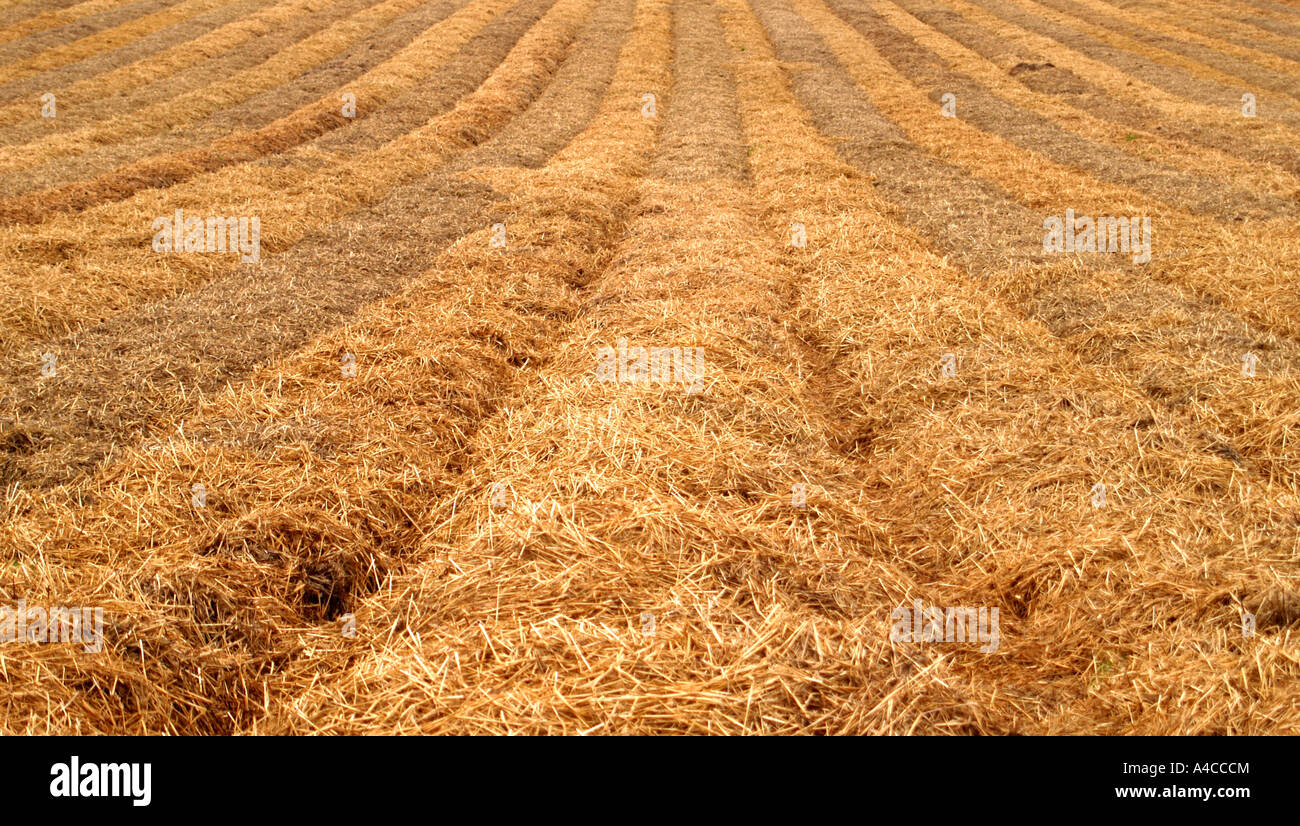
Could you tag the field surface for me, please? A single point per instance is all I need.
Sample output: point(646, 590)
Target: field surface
point(650, 366)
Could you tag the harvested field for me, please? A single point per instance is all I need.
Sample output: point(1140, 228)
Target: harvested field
point(651, 366)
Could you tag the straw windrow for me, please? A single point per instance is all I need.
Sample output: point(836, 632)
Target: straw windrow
point(1120, 84)
point(289, 198)
point(1206, 161)
point(176, 58)
point(106, 40)
point(380, 83)
point(291, 550)
point(51, 19)
point(151, 366)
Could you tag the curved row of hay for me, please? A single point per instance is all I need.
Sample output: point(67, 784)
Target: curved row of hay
point(174, 59)
point(112, 186)
point(973, 476)
point(16, 26)
point(284, 554)
point(177, 112)
point(193, 344)
point(112, 38)
point(1123, 85)
point(968, 65)
point(1261, 27)
point(201, 74)
point(1224, 257)
point(1278, 393)
point(284, 97)
point(1193, 27)
point(530, 618)
point(74, 267)
point(1003, 43)
point(1245, 266)
point(1222, 63)
point(427, 54)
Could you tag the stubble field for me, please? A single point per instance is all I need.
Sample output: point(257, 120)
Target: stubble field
point(650, 366)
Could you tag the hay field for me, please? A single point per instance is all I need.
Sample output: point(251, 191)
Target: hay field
point(650, 366)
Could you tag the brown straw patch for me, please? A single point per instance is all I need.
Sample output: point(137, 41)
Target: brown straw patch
point(681, 368)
